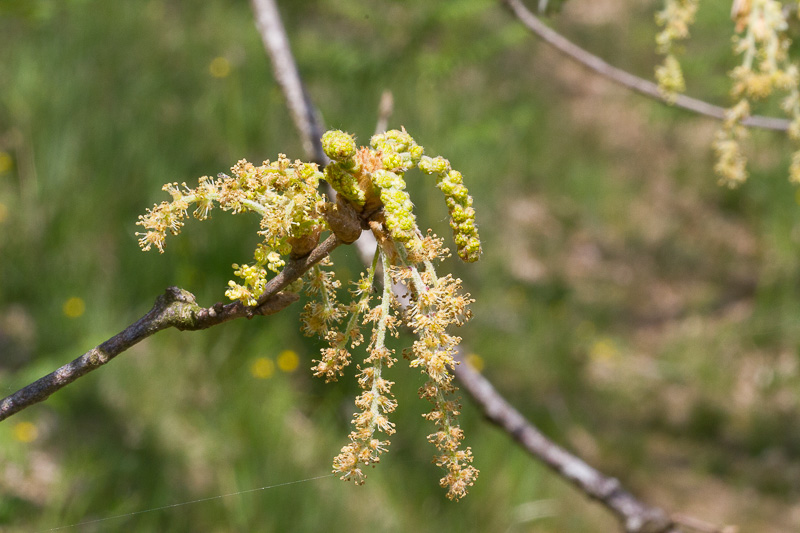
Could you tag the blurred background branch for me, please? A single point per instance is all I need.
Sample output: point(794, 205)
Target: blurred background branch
point(276, 43)
point(626, 79)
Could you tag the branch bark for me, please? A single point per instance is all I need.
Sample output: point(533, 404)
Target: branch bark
point(626, 79)
point(176, 308)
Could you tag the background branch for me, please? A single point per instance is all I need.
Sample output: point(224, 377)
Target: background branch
point(276, 43)
point(385, 109)
point(626, 79)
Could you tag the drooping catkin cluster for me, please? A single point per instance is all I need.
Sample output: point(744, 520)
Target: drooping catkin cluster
point(763, 45)
point(376, 401)
point(286, 196)
point(406, 259)
point(438, 303)
point(370, 184)
point(762, 42)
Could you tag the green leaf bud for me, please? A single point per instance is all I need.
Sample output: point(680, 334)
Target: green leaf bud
point(398, 150)
point(394, 162)
point(338, 145)
point(344, 183)
point(434, 165)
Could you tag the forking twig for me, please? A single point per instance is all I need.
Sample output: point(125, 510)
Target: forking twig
point(176, 308)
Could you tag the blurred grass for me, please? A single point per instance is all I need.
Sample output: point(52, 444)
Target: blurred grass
point(638, 313)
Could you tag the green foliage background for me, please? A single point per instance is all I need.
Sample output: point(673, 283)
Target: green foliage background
point(639, 314)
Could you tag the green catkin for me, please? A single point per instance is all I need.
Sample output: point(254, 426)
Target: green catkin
point(459, 205)
point(396, 204)
point(341, 148)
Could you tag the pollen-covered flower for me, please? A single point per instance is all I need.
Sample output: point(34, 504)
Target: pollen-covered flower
point(283, 193)
point(731, 165)
point(371, 193)
point(669, 76)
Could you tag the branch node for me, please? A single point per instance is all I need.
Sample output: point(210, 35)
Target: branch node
point(176, 294)
point(608, 487)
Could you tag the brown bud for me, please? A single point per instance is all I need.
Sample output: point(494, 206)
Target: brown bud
point(301, 246)
point(343, 221)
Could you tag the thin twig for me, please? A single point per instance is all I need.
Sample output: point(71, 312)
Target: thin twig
point(385, 110)
point(626, 79)
point(176, 308)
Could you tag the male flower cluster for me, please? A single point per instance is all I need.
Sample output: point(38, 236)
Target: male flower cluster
point(370, 185)
point(765, 68)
